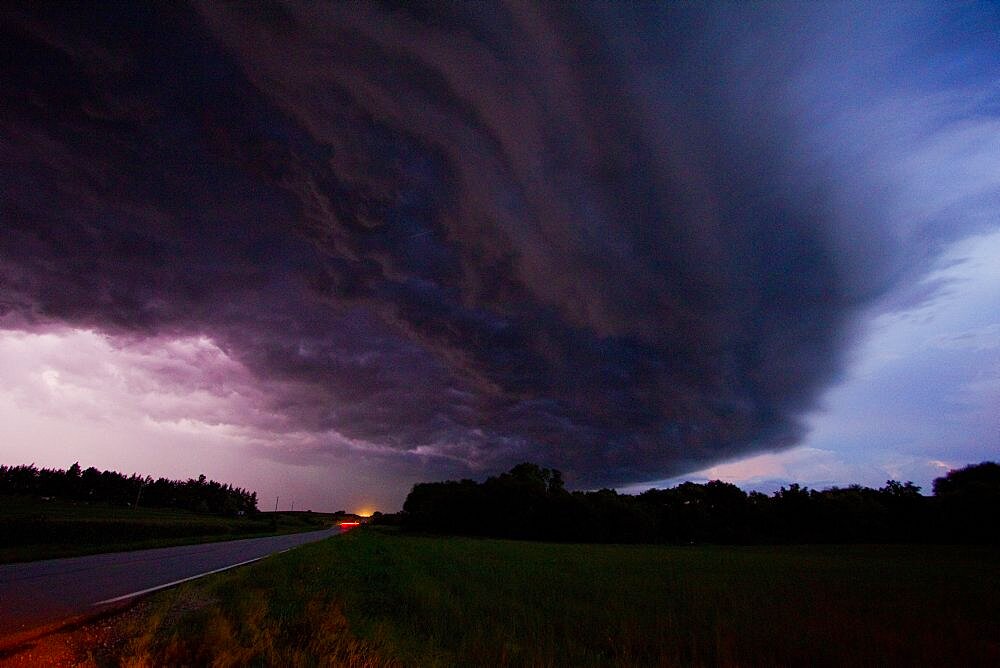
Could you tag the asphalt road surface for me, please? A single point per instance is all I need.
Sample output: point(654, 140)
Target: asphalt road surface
point(39, 594)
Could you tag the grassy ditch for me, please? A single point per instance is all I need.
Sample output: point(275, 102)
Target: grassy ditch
point(372, 598)
point(32, 528)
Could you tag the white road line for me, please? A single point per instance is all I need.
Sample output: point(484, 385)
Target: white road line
point(193, 577)
point(177, 582)
point(139, 557)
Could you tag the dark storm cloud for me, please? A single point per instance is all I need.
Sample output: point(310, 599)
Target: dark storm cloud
point(457, 236)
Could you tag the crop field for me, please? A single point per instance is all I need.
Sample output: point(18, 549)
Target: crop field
point(372, 597)
point(31, 528)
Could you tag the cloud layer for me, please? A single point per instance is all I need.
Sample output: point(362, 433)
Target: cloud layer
point(625, 242)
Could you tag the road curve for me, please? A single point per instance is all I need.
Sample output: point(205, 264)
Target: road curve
point(39, 594)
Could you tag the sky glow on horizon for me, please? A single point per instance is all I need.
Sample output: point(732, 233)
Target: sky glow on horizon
point(327, 252)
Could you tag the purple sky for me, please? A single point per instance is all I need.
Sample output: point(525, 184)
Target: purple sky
point(327, 251)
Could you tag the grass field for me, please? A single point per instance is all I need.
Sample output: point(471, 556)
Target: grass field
point(31, 528)
point(374, 598)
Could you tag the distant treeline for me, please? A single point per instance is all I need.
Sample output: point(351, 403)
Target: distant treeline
point(111, 487)
point(530, 502)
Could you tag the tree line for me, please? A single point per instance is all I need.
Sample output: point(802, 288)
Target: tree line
point(531, 502)
point(111, 487)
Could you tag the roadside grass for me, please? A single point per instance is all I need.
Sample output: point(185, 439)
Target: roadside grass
point(373, 598)
point(31, 528)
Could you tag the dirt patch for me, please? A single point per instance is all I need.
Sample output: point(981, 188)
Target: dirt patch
point(92, 643)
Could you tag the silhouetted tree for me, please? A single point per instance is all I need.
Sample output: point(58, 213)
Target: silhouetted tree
point(531, 502)
point(969, 503)
point(92, 485)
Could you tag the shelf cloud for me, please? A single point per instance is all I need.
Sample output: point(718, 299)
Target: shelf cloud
point(624, 241)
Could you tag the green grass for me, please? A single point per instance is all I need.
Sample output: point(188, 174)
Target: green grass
point(370, 597)
point(31, 528)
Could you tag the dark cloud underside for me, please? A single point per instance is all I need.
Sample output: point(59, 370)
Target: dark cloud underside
point(459, 235)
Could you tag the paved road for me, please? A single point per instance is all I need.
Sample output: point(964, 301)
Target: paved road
point(40, 593)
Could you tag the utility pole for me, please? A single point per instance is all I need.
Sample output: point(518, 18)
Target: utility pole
point(137, 495)
point(276, 503)
point(293, 506)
